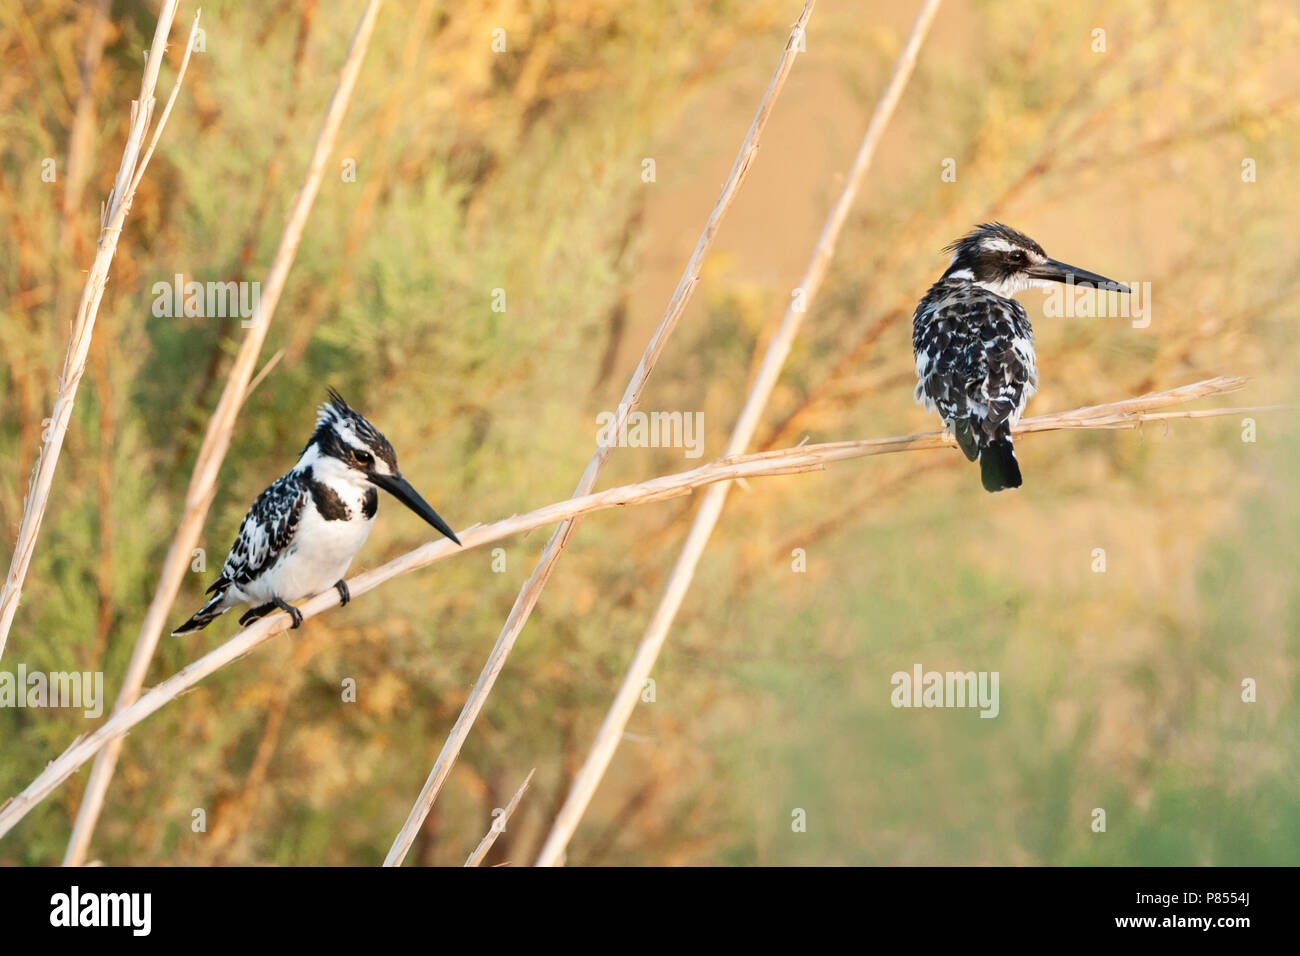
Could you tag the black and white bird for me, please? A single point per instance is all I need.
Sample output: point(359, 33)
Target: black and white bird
point(974, 345)
point(302, 532)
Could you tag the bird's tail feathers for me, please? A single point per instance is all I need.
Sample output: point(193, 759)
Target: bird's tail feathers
point(999, 469)
point(967, 440)
point(204, 616)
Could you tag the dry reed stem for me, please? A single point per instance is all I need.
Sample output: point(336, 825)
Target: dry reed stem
point(1129, 413)
point(112, 217)
point(541, 574)
point(216, 441)
point(499, 824)
point(706, 519)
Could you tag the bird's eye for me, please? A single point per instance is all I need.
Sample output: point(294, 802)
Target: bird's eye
point(365, 458)
point(1017, 256)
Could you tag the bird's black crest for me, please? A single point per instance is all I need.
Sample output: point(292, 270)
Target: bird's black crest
point(970, 243)
point(338, 410)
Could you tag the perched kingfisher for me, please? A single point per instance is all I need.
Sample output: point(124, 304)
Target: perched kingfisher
point(974, 345)
point(302, 532)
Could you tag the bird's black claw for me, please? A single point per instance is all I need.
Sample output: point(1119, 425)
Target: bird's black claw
point(295, 615)
point(344, 594)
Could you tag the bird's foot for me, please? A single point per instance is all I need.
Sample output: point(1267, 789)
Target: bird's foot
point(255, 614)
point(344, 594)
point(289, 609)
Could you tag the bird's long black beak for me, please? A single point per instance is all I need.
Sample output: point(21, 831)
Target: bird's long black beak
point(1061, 272)
point(401, 489)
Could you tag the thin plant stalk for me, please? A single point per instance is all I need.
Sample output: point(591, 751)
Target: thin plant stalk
point(216, 441)
point(532, 589)
point(1130, 413)
point(499, 824)
point(129, 173)
point(706, 519)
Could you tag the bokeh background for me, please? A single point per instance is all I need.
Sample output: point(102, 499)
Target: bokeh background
point(522, 170)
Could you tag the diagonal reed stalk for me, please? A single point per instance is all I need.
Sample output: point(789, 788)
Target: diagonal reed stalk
point(532, 589)
point(499, 824)
point(1130, 413)
point(129, 173)
point(216, 441)
point(706, 519)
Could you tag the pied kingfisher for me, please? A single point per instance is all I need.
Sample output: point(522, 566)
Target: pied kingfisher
point(974, 345)
point(302, 532)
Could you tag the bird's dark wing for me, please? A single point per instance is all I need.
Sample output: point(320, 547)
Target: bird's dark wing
point(266, 530)
point(974, 354)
